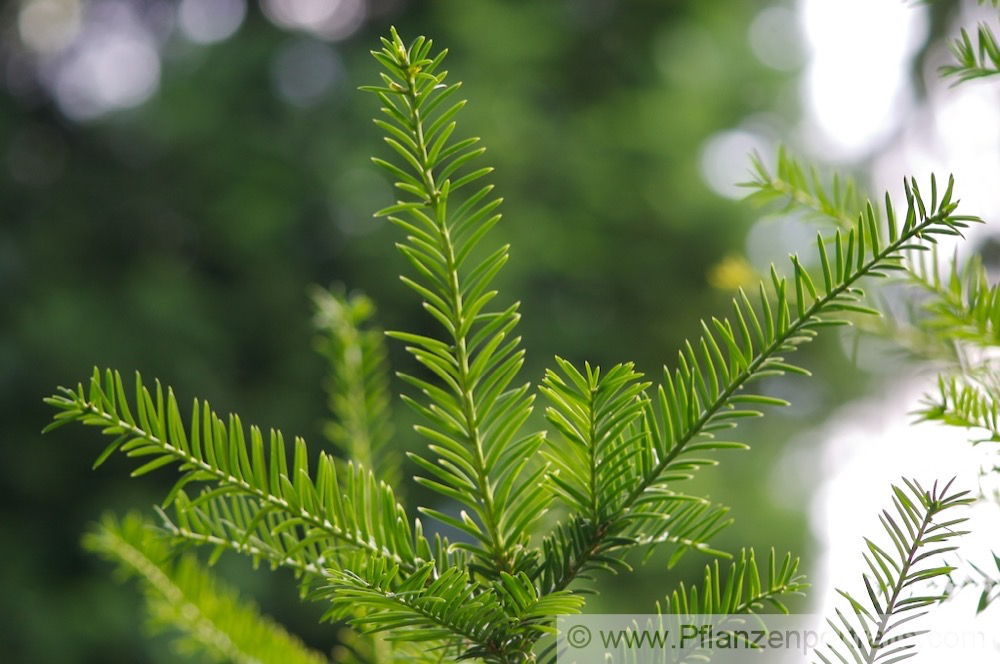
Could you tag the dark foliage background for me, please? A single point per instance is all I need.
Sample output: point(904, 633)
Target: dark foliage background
point(177, 238)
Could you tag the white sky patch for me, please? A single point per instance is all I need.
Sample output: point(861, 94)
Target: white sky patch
point(113, 65)
point(775, 40)
point(870, 448)
point(210, 21)
point(967, 133)
point(959, 136)
point(94, 58)
point(725, 160)
point(328, 19)
point(854, 85)
point(856, 95)
point(100, 56)
point(774, 237)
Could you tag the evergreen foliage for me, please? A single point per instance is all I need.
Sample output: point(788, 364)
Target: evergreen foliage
point(474, 422)
point(975, 59)
point(986, 583)
point(210, 618)
point(358, 381)
point(614, 469)
point(727, 600)
point(871, 632)
point(952, 323)
point(953, 320)
point(802, 188)
point(961, 310)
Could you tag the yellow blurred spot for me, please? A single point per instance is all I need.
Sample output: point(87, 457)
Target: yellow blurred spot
point(731, 272)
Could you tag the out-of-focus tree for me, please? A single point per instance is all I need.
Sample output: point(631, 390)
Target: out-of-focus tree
point(187, 168)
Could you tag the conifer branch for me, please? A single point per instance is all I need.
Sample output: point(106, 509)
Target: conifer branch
point(497, 622)
point(363, 515)
point(966, 399)
point(977, 59)
point(917, 535)
point(802, 188)
point(240, 524)
point(961, 306)
point(987, 583)
point(210, 617)
point(701, 396)
point(357, 385)
point(957, 320)
point(744, 591)
point(620, 448)
point(474, 420)
point(595, 414)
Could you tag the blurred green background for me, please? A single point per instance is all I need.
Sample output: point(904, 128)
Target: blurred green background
point(175, 174)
